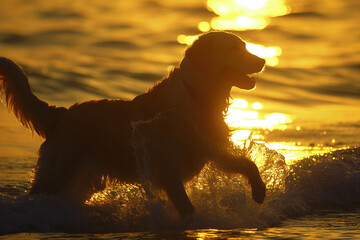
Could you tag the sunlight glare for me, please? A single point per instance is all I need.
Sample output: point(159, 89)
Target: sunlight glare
point(293, 151)
point(244, 121)
point(204, 26)
point(245, 14)
point(249, 124)
point(238, 23)
point(238, 117)
point(255, 4)
point(239, 103)
point(188, 40)
point(240, 135)
point(256, 105)
point(270, 54)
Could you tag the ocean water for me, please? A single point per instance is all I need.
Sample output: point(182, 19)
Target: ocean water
point(302, 122)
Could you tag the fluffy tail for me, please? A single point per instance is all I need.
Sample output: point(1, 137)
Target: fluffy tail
point(32, 112)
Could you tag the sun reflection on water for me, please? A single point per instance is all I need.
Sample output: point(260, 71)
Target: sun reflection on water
point(244, 15)
point(248, 121)
point(270, 54)
point(239, 115)
point(244, 118)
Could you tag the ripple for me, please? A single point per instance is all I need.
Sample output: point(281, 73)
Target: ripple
point(116, 44)
point(61, 14)
point(144, 76)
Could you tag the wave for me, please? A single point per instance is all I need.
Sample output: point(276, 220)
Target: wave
point(61, 14)
point(221, 201)
point(116, 44)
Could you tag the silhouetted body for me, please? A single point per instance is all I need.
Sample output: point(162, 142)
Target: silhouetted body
point(164, 136)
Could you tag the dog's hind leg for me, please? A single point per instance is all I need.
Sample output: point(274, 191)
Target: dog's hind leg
point(61, 173)
point(48, 176)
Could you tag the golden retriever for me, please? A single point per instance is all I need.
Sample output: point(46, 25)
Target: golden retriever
point(166, 135)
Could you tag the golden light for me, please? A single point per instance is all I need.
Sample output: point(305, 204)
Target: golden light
point(238, 23)
point(273, 61)
point(204, 26)
point(240, 135)
point(237, 117)
point(270, 54)
point(262, 51)
point(186, 39)
point(293, 151)
point(239, 103)
point(250, 124)
point(96, 197)
point(202, 234)
point(256, 105)
point(244, 121)
point(257, 4)
point(245, 14)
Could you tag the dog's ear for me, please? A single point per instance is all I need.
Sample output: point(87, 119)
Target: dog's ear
point(200, 54)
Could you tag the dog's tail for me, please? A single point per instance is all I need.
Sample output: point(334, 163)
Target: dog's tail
point(32, 112)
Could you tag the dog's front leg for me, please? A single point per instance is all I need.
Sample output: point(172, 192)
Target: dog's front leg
point(232, 163)
point(159, 150)
point(162, 168)
point(174, 188)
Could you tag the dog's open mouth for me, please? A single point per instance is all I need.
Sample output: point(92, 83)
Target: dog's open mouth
point(241, 80)
point(244, 81)
point(247, 77)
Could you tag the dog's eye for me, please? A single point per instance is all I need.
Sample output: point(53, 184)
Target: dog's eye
point(237, 48)
point(234, 47)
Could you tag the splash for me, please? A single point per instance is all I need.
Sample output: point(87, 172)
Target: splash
point(221, 201)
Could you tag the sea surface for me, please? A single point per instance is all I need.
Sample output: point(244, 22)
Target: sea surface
point(301, 125)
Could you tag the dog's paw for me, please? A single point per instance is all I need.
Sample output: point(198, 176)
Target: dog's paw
point(188, 220)
point(258, 189)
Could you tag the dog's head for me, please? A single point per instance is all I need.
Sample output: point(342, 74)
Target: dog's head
point(222, 56)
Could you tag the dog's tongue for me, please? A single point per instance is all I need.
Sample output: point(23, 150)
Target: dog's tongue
point(244, 77)
point(239, 79)
point(245, 82)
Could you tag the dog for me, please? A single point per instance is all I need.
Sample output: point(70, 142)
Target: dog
point(167, 134)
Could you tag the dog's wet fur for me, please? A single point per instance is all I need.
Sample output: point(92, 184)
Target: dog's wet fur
point(168, 133)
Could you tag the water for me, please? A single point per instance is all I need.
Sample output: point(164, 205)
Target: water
point(305, 109)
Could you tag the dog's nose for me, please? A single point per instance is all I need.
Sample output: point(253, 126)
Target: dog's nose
point(261, 64)
point(263, 61)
